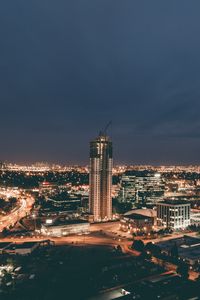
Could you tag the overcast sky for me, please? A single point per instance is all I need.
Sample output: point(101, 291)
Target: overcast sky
point(67, 67)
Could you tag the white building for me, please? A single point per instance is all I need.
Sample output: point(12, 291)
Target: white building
point(65, 227)
point(195, 219)
point(173, 214)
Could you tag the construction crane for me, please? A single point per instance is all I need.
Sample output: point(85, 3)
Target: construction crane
point(104, 131)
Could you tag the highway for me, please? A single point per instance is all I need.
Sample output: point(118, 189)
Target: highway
point(21, 210)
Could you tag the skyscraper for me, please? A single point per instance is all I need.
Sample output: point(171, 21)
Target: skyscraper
point(101, 162)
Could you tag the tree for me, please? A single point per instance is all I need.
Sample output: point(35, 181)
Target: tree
point(2, 203)
point(174, 251)
point(148, 246)
point(138, 245)
point(119, 248)
point(7, 277)
point(152, 248)
point(12, 202)
point(183, 270)
point(145, 255)
point(4, 232)
point(121, 207)
point(11, 261)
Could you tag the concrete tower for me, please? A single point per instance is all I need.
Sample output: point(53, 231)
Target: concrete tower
point(101, 162)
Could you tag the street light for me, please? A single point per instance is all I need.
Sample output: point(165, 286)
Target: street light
point(34, 218)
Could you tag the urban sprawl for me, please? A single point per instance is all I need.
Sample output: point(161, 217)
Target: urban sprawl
point(100, 231)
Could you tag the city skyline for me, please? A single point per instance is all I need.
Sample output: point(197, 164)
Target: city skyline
point(67, 70)
point(99, 154)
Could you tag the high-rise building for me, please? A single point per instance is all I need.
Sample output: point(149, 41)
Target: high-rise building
point(127, 192)
point(144, 188)
point(101, 162)
point(150, 189)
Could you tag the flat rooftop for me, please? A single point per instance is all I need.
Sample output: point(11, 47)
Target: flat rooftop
point(174, 202)
point(185, 240)
point(188, 247)
point(145, 212)
point(25, 245)
point(137, 217)
point(62, 221)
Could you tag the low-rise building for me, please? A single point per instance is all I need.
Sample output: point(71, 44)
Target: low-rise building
point(173, 214)
point(137, 222)
point(22, 248)
point(195, 219)
point(143, 211)
point(188, 248)
point(64, 227)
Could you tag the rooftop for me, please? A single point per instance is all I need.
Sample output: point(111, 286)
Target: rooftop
point(185, 240)
point(188, 247)
point(63, 221)
point(174, 202)
point(137, 217)
point(145, 212)
point(25, 245)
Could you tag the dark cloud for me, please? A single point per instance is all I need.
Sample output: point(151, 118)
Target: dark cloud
point(68, 67)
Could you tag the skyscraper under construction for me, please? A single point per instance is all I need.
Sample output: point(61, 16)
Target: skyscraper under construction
point(101, 162)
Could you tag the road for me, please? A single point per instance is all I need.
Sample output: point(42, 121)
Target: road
point(104, 234)
point(76, 240)
point(95, 238)
point(21, 210)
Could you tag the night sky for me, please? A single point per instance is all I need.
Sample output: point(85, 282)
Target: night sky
point(67, 67)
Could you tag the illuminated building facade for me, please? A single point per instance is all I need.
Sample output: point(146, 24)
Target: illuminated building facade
point(144, 189)
point(136, 223)
point(101, 162)
point(173, 214)
point(150, 189)
point(127, 191)
point(60, 227)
